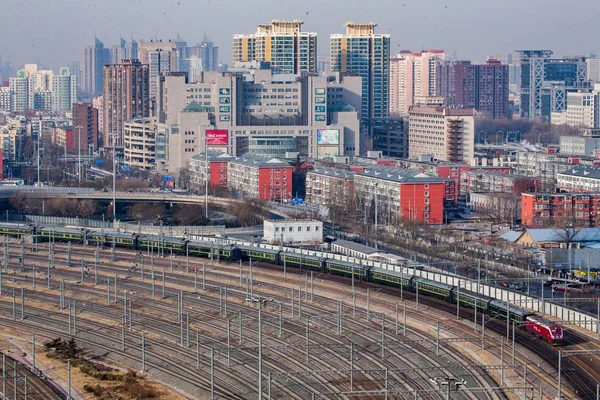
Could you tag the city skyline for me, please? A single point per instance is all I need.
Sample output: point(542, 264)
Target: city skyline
point(455, 26)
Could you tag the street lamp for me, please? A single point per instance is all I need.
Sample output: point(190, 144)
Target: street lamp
point(260, 301)
point(78, 127)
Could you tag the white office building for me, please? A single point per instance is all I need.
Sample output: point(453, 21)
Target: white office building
point(293, 231)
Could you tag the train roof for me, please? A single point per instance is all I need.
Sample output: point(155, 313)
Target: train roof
point(203, 243)
point(62, 229)
point(304, 256)
point(513, 309)
point(166, 239)
point(109, 233)
point(475, 295)
point(391, 272)
point(546, 323)
point(434, 283)
point(246, 248)
point(16, 225)
point(347, 263)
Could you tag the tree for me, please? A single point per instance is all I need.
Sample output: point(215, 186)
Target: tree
point(87, 208)
point(190, 215)
point(184, 178)
point(502, 208)
point(147, 212)
point(17, 201)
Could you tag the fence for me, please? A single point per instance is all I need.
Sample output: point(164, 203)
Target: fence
point(569, 315)
point(176, 231)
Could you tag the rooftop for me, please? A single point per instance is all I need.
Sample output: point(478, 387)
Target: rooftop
point(583, 171)
point(214, 155)
point(398, 175)
point(355, 246)
point(260, 161)
point(333, 172)
point(556, 235)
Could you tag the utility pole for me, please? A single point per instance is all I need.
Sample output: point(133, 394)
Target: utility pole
point(206, 176)
point(260, 301)
point(114, 136)
point(78, 127)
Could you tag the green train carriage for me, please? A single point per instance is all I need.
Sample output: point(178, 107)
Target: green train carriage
point(16, 230)
point(107, 238)
point(346, 268)
point(387, 277)
point(168, 244)
point(62, 234)
point(259, 254)
point(432, 288)
point(302, 261)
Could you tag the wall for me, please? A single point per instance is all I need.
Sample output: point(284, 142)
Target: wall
point(411, 194)
point(293, 231)
point(218, 174)
point(275, 189)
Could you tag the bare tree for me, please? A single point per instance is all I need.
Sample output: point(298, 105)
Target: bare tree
point(86, 208)
point(184, 178)
point(17, 201)
point(502, 208)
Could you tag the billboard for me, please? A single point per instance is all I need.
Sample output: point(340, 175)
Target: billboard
point(217, 137)
point(328, 137)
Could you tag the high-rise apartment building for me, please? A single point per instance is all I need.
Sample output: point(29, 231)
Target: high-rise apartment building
point(21, 91)
point(593, 69)
point(126, 96)
point(98, 104)
point(413, 75)
point(280, 43)
point(483, 87)
point(160, 57)
point(86, 117)
point(95, 57)
point(363, 52)
point(64, 91)
point(446, 133)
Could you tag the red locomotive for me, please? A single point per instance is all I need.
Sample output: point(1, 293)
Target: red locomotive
point(549, 330)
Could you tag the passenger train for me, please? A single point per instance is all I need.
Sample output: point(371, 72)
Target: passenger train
point(531, 322)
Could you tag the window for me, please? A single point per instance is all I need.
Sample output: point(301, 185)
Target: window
point(224, 100)
point(319, 91)
point(224, 109)
point(316, 229)
point(299, 229)
point(224, 91)
point(224, 118)
point(320, 109)
point(319, 118)
point(320, 100)
point(276, 229)
point(308, 229)
point(290, 229)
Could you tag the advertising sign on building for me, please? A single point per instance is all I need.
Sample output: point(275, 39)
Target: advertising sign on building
point(217, 137)
point(328, 137)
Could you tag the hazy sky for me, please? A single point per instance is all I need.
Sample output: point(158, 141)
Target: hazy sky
point(55, 31)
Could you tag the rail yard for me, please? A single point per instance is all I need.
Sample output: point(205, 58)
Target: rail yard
point(194, 327)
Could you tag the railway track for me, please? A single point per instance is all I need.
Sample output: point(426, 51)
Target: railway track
point(186, 280)
point(28, 382)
